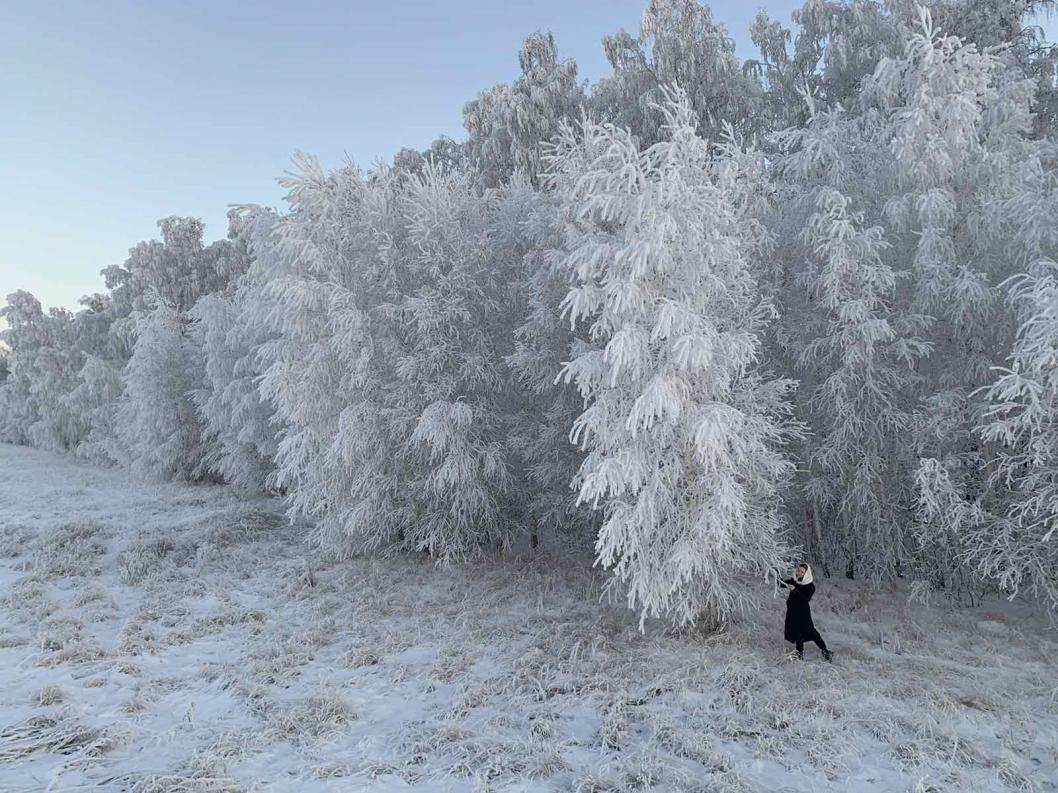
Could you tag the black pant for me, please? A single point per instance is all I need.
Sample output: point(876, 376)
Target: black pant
point(815, 637)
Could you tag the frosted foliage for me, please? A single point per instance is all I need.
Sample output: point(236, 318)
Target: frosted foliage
point(47, 353)
point(864, 357)
point(679, 43)
point(158, 430)
point(1021, 550)
point(236, 419)
point(682, 430)
point(542, 343)
point(94, 400)
point(695, 319)
point(508, 125)
point(907, 273)
point(1005, 517)
point(323, 247)
point(179, 268)
point(226, 331)
point(394, 394)
point(447, 401)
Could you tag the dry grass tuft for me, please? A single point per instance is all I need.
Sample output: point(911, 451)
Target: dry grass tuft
point(50, 695)
point(312, 719)
point(59, 734)
point(73, 549)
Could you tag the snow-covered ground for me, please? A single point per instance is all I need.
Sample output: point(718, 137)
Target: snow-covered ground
point(175, 638)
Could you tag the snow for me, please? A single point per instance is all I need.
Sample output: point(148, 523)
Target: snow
point(168, 637)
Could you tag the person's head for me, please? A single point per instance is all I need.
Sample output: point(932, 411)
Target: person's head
point(801, 570)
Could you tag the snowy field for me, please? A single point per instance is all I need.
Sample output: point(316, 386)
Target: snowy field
point(177, 638)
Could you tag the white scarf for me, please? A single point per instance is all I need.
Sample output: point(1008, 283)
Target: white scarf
point(807, 577)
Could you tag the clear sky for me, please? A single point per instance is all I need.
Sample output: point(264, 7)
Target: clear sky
point(115, 113)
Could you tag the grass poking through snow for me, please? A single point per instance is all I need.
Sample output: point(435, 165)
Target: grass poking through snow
point(180, 640)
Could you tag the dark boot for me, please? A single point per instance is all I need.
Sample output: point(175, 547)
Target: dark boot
point(828, 655)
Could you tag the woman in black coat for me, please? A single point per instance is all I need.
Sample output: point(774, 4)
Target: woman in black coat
point(799, 628)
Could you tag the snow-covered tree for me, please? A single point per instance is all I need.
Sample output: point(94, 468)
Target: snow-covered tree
point(336, 260)
point(452, 379)
point(226, 330)
point(1005, 526)
point(996, 505)
point(679, 43)
point(158, 430)
point(837, 44)
point(94, 399)
point(926, 161)
point(864, 357)
point(389, 374)
point(543, 342)
point(508, 125)
point(157, 426)
point(385, 352)
point(46, 352)
point(682, 429)
point(546, 95)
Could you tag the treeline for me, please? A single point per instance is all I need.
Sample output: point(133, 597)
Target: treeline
point(696, 315)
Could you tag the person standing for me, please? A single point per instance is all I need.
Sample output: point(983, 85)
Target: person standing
point(799, 627)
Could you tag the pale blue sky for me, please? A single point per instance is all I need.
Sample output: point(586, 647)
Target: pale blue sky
point(115, 113)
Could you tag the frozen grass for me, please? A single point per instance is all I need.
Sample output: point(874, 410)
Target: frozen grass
point(177, 639)
point(60, 735)
point(69, 550)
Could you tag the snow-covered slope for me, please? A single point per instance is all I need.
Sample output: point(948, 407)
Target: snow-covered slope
point(176, 638)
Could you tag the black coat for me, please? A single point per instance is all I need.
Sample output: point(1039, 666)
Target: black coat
point(799, 627)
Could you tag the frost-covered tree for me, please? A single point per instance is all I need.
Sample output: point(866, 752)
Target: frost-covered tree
point(390, 374)
point(94, 399)
point(546, 95)
point(850, 342)
point(157, 426)
point(543, 342)
point(47, 350)
point(23, 334)
point(958, 124)
point(158, 430)
point(226, 330)
point(176, 269)
point(448, 401)
point(678, 43)
point(995, 506)
point(682, 429)
point(926, 160)
point(236, 419)
point(837, 44)
point(337, 260)
point(508, 125)
point(1005, 526)
point(863, 357)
